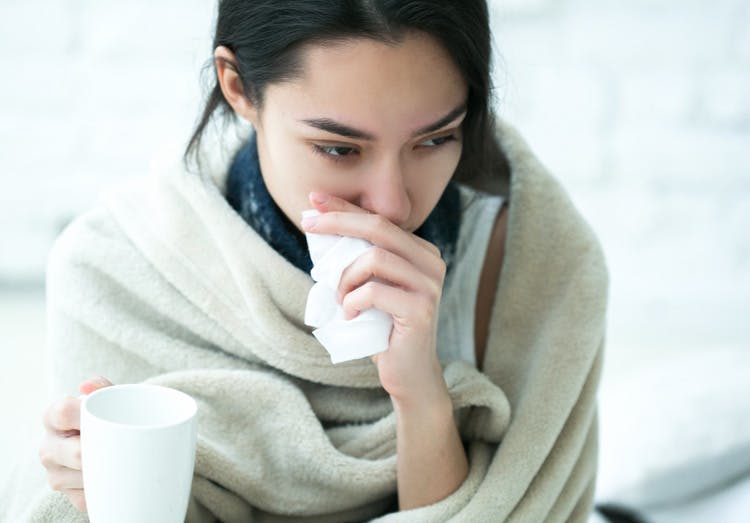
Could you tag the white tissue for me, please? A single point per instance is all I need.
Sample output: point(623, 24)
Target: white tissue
point(362, 336)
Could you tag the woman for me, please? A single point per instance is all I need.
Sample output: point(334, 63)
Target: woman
point(377, 114)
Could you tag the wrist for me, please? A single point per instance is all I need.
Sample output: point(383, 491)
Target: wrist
point(434, 406)
point(426, 391)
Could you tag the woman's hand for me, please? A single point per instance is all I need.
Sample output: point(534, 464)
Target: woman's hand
point(408, 275)
point(60, 450)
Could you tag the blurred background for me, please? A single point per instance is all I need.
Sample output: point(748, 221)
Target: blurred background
point(641, 108)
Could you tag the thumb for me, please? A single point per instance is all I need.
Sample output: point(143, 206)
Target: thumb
point(92, 384)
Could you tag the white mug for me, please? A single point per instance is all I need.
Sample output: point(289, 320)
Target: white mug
point(137, 453)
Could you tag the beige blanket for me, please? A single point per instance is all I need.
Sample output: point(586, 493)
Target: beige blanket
point(164, 283)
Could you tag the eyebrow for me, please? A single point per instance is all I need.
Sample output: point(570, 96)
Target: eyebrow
point(332, 126)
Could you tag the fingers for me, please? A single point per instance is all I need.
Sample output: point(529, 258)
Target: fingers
point(58, 451)
point(61, 445)
point(429, 247)
point(407, 308)
point(332, 204)
point(386, 266)
point(62, 458)
point(63, 478)
point(70, 483)
point(394, 258)
point(376, 229)
point(68, 452)
point(63, 415)
point(325, 202)
point(92, 384)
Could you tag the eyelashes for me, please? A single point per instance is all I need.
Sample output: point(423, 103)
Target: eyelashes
point(445, 139)
point(324, 151)
point(341, 153)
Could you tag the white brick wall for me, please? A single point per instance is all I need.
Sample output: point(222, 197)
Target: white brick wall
point(90, 91)
point(642, 108)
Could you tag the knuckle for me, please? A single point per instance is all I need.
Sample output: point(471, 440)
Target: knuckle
point(346, 302)
point(77, 456)
point(66, 412)
point(434, 293)
point(379, 255)
point(49, 462)
point(334, 217)
point(377, 222)
point(360, 296)
point(442, 268)
point(369, 288)
point(346, 284)
point(425, 309)
point(344, 276)
point(55, 482)
point(44, 458)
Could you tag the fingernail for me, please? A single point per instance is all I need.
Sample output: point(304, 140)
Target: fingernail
point(319, 197)
point(308, 222)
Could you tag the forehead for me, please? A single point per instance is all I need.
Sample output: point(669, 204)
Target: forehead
point(389, 88)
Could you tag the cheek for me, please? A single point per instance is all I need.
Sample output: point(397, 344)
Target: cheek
point(453, 156)
point(287, 178)
point(299, 172)
point(438, 168)
point(428, 178)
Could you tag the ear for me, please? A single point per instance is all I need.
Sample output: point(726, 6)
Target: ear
point(231, 85)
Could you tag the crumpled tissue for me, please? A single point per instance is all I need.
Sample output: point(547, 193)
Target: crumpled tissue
point(362, 336)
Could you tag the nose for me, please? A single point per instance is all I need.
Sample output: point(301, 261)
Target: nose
point(386, 193)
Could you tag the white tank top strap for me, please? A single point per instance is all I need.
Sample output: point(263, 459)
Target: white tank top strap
point(458, 301)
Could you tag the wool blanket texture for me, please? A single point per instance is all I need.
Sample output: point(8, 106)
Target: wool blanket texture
point(165, 283)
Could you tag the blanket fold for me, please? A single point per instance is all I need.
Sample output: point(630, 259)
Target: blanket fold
point(164, 283)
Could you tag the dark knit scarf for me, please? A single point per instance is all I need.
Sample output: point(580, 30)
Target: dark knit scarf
point(248, 195)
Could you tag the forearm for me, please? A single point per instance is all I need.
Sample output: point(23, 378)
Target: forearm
point(431, 461)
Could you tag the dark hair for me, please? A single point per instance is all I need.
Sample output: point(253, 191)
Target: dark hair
point(267, 37)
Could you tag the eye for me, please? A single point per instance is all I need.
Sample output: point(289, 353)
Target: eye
point(436, 142)
point(336, 153)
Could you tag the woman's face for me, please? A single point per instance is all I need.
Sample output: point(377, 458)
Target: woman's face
point(375, 124)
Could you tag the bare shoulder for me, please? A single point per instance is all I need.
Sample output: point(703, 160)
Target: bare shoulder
point(488, 281)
